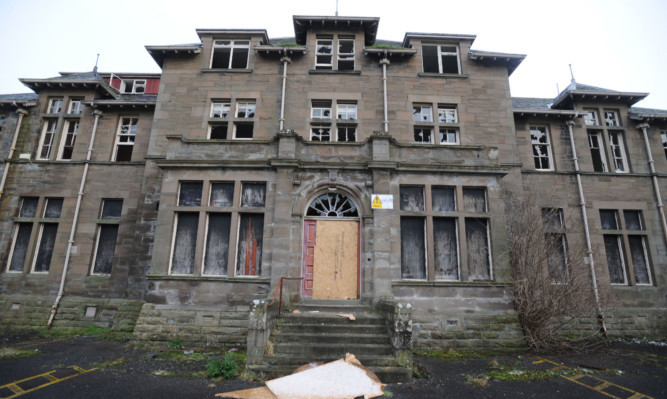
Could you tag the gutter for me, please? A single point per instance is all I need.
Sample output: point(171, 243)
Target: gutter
point(61, 290)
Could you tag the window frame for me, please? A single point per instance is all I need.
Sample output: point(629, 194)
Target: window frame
point(234, 44)
point(55, 106)
point(535, 144)
point(319, 108)
point(51, 134)
point(601, 149)
point(436, 120)
point(75, 106)
point(591, 117)
point(128, 134)
point(440, 53)
point(64, 138)
point(620, 145)
point(103, 222)
point(663, 137)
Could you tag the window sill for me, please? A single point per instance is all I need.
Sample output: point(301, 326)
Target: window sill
point(234, 279)
point(442, 75)
point(225, 70)
point(332, 72)
point(447, 283)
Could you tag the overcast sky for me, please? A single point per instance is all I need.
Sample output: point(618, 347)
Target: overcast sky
point(616, 44)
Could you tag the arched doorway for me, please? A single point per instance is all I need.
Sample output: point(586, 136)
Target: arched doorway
point(331, 248)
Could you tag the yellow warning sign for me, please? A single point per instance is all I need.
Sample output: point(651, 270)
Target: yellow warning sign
point(382, 201)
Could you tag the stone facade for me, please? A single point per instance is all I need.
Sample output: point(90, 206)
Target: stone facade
point(248, 141)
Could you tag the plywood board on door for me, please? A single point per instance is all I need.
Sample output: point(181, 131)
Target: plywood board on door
point(335, 271)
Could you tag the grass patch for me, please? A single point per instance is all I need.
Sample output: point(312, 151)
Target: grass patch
point(477, 380)
point(228, 367)
point(102, 332)
point(452, 354)
point(11, 353)
point(289, 45)
point(110, 363)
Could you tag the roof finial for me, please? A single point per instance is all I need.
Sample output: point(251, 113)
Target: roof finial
point(96, 61)
point(557, 89)
point(336, 7)
point(572, 74)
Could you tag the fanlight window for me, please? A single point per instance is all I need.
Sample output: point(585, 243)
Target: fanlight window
point(332, 205)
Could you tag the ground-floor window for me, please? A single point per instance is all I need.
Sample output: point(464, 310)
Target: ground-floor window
point(107, 233)
point(441, 240)
point(626, 235)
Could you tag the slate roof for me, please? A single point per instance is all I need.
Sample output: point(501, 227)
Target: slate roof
point(531, 103)
point(18, 97)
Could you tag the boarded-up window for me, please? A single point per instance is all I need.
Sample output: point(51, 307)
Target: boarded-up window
point(46, 243)
point(217, 243)
point(477, 240)
point(28, 207)
point(222, 194)
point(53, 207)
point(474, 199)
point(253, 194)
point(446, 248)
point(249, 255)
point(190, 193)
point(107, 235)
point(443, 199)
point(106, 246)
point(185, 243)
point(412, 198)
point(615, 261)
point(20, 246)
point(413, 247)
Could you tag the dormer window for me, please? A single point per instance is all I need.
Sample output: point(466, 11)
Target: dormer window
point(441, 59)
point(230, 54)
point(133, 86)
point(346, 54)
point(329, 48)
point(324, 54)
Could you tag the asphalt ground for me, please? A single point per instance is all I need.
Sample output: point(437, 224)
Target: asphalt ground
point(91, 367)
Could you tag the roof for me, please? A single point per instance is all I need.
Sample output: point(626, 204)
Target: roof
point(436, 37)
point(580, 91)
point(302, 23)
point(638, 113)
point(234, 32)
point(531, 103)
point(19, 97)
point(85, 80)
point(175, 50)
point(512, 61)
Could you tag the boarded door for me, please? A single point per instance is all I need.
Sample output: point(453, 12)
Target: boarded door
point(331, 259)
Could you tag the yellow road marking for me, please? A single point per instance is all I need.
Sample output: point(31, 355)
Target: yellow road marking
point(18, 391)
point(600, 387)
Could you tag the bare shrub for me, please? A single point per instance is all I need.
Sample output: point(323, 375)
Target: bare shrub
point(550, 275)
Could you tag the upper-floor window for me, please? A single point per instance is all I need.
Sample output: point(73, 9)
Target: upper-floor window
point(324, 127)
point(611, 118)
point(230, 54)
point(75, 106)
point(133, 86)
point(244, 129)
point(68, 139)
point(347, 111)
point(321, 110)
point(127, 132)
point(663, 136)
point(444, 131)
point(539, 137)
point(617, 148)
point(220, 109)
point(55, 106)
point(241, 121)
point(327, 49)
point(591, 118)
point(597, 151)
point(47, 139)
point(441, 59)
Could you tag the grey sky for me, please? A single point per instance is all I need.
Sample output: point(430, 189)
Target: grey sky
point(614, 44)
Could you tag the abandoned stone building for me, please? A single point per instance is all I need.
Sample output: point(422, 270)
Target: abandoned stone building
point(173, 204)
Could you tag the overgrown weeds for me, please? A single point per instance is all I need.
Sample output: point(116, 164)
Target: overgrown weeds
point(12, 353)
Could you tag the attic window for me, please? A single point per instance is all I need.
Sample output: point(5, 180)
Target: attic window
point(230, 54)
point(441, 59)
point(133, 86)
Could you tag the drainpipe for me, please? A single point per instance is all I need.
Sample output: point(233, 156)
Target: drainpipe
point(384, 62)
point(285, 60)
point(656, 186)
point(589, 247)
point(61, 291)
point(21, 113)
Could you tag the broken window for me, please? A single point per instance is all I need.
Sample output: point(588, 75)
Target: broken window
point(324, 53)
point(443, 198)
point(447, 114)
point(133, 86)
point(47, 240)
point(46, 141)
point(72, 130)
point(218, 131)
point(477, 241)
point(412, 198)
point(347, 133)
point(320, 133)
point(185, 243)
point(474, 199)
point(440, 59)
point(591, 118)
point(127, 132)
point(422, 135)
point(556, 244)
point(55, 106)
point(243, 131)
point(321, 110)
point(346, 54)
point(539, 138)
point(75, 106)
point(346, 111)
point(249, 253)
point(189, 193)
point(107, 234)
point(413, 247)
point(449, 136)
point(216, 254)
point(445, 242)
point(230, 54)
point(222, 194)
point(220, 109)
point(332, 205)
point(597, 150)
point(422, 113)
point(253, 194)
point(245, 110)
point(618, 151)
point(663, 136)
point(611, 118)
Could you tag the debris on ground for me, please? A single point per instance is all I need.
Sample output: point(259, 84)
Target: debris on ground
point(347, 315)
point(341, 379)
